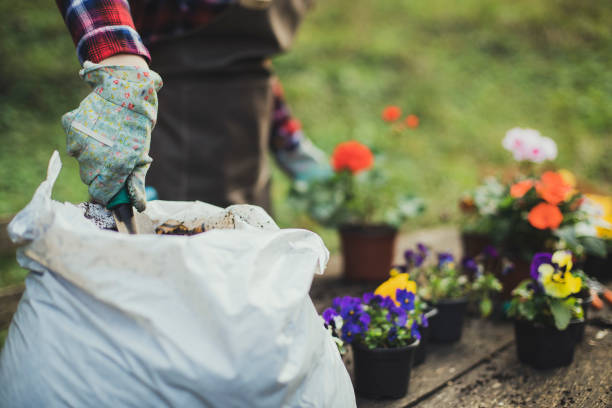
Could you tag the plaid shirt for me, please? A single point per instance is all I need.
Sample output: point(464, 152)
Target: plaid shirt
point(103, 28)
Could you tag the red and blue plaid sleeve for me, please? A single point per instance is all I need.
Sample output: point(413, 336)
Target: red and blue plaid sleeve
point(286, 131)
point(101, 28)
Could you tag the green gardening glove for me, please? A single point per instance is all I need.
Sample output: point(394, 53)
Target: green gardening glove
point(110, 132)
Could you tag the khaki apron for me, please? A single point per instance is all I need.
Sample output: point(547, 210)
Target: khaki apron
point(211, 138)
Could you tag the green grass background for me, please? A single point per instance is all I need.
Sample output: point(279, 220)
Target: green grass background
point(469, 69)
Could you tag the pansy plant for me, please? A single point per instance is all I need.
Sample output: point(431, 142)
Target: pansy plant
point(373, 320)
point(442, 278)
point(549, 297)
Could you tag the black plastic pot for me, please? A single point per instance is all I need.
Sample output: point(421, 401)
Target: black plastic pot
point(545, 347)
point(448, 324)
point(581, 325)
point(383, 373)
point(420, 353)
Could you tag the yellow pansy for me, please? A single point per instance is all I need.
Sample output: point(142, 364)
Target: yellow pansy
point(391, 285)
point(563, 259)
point(558, 284)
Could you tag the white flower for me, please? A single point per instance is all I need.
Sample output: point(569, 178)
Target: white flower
point(488, 196)
point(338, 322)
point(529, 144)
point(585, 229)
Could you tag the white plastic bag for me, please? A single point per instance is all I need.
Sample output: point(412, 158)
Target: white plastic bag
point(219, 319)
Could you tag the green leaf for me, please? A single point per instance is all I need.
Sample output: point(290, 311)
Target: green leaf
point(568, 234)
point(561, 313)
point(486, 307)
point(594, 246)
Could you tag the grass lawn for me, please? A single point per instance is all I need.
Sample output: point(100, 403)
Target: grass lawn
point(470, 70)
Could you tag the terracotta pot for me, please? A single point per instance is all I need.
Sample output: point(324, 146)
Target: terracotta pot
point(383, 373)
point(367, 251)
point(545, 347)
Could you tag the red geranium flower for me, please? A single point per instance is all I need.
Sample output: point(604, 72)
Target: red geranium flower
point(412, 121)
point(391, 113)
point(553, 188)
point(352, 156)
point(545, 215)
point(521, 188)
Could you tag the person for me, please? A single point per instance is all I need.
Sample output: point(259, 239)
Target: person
point(221, 110)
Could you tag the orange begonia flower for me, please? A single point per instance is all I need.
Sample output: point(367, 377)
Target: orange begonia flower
point(391, 113)
point(412, 121)
point(521, 188)
point(552, 188)
point(545, 215)
point(352, 156)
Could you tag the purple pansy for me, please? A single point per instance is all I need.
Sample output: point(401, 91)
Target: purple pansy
point(329, 314)
point(349, 331)
point(409, 256)
point(350, 306)
point(424, 320)
point(405, 299)
point(539, 259)
point(367, 297)
point(490, 251)
point(397, 315)
point(444, 258)
point(387, 302)
point(364, 319)
point(414, 331)
point(469, 265)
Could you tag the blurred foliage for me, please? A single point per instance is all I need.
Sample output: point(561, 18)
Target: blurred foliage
point(470, 70)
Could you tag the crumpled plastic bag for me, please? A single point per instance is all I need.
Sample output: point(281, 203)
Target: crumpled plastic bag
point(219, 319)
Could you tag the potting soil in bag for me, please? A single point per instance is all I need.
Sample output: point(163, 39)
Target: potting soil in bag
point(218, 319)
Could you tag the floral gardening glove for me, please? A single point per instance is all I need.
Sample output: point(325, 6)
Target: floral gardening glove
point(306, 162)
point(110, 132)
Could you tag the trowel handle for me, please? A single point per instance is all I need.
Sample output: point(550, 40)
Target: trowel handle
point(121, 207)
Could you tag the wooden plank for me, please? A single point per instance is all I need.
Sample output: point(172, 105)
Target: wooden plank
point(505, 382)
point(9, 299)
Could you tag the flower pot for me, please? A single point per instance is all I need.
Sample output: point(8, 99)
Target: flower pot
point(367, 251)
point(420, 353)
point(448, 324)
point(473, 243)
point(598, 267)
point(545, 347)
point(581, 325)
point(383, 373)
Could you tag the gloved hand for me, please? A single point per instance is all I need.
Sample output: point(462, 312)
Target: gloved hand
point(305, 162)
point(110, 132)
